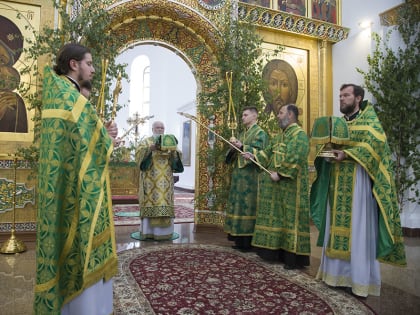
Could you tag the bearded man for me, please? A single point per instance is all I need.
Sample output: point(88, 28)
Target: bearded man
point(354, 203)
point(281, 230)
point(156, 183)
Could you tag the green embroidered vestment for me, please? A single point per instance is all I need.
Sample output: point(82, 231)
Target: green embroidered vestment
point(369, 148)
point(283, 206)
point(75, 245)
point(156, 184)
point(242, 202)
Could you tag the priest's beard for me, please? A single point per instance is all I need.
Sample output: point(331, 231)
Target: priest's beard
point(284, 122)
point(349, 109)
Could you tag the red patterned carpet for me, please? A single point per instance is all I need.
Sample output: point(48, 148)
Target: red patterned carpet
point(128, 214)
point(208, 279)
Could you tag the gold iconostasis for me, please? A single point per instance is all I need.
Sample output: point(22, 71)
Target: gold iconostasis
point(190, 27)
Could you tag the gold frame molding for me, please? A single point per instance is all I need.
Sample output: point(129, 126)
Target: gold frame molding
point(29, 21)
point(290, 23)
point(41, 12)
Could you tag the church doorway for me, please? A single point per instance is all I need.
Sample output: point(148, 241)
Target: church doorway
point(161, 84)
point(188, 33)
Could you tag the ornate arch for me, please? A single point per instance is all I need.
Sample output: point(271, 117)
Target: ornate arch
point(168, 22)
point(187, 31)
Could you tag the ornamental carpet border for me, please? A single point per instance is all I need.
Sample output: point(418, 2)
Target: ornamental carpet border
point(129, 298)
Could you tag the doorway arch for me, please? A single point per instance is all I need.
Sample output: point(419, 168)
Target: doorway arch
point(167, 87)
point(194, 36)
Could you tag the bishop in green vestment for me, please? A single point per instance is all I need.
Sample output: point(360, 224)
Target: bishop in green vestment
point(282, 224)
point(242, 202)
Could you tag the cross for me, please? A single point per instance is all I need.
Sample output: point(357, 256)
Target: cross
point(134, 122)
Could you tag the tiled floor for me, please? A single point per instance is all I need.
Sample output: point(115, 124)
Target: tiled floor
point(400, 286)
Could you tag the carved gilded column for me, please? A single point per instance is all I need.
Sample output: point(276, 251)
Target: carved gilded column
point(325, 78)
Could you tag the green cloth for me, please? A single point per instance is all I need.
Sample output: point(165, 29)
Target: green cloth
point(329, 129)
point(283, 207)
point(369, 148)
point(167, 142)
point(75, 243)
point(242, 201)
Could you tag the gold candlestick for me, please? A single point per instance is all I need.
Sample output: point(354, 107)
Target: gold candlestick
point(13, 245)
point(101, 100)
point(232, 122)
point(115, 94)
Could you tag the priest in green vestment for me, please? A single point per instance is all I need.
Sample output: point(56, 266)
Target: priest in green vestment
point(354, 203)
point(158, 158)
point(242, 203)
point(75, 240)
point(282, 224)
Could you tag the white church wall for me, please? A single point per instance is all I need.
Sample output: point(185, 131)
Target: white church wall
point(410, 217)
point(352, 53)
point(172, 85)
point(124, 97)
